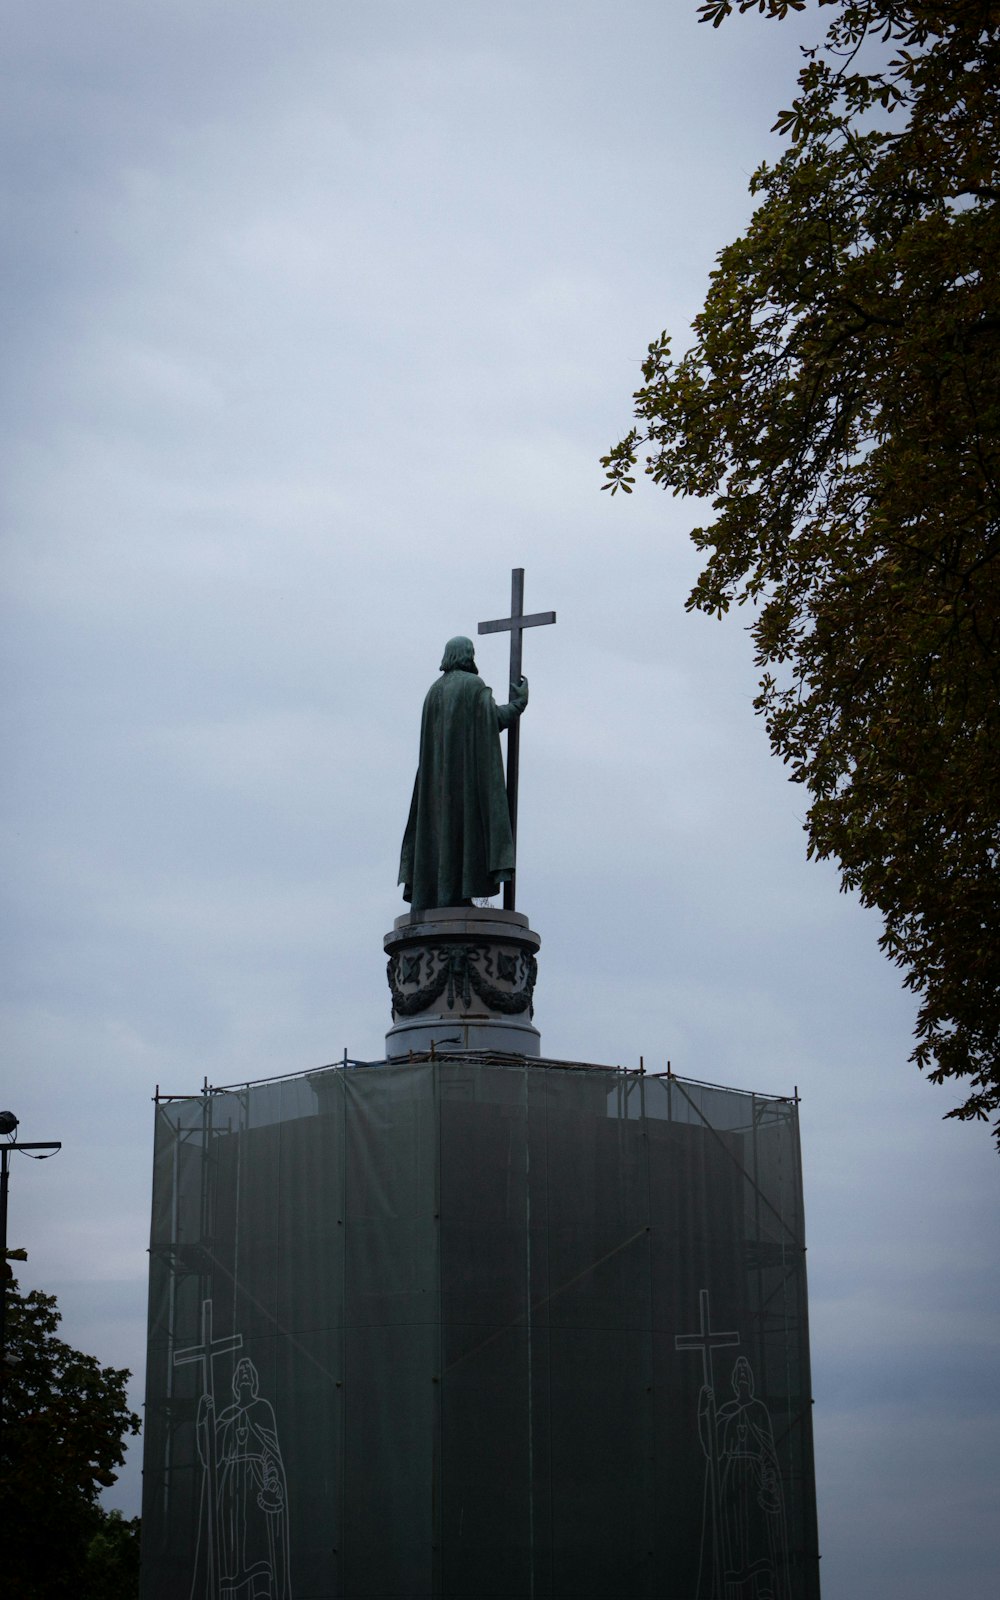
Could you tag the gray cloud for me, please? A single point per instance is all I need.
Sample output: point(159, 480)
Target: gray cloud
point(317, 321)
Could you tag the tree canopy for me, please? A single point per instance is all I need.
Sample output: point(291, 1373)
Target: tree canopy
point(839, 411)
point(65, 1419)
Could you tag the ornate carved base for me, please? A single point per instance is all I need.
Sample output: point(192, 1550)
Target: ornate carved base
point(463, 977)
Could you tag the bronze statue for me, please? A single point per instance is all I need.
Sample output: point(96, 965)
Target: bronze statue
point(458, 843)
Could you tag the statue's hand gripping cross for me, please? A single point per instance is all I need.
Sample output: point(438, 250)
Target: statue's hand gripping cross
point(515, 624)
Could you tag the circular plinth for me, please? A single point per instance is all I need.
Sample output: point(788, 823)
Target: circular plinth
point(462, 977)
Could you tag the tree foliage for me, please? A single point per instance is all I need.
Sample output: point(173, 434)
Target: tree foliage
point(65, 1418)
point(839, 410)
point(111, 1570)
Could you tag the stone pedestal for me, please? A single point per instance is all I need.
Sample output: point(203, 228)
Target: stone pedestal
point(462, 977)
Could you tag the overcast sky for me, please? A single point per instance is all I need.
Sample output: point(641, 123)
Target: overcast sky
point(317, 318)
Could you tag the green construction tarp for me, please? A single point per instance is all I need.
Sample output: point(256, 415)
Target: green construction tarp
point(468, 1328)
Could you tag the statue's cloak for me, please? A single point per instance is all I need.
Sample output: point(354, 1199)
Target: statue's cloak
point(458, 843)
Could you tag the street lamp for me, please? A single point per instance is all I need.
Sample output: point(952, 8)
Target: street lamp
point(9, 1142)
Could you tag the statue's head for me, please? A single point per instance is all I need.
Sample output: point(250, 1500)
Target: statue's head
point(459, 655)
point(742, 1380)
point(245, 1378)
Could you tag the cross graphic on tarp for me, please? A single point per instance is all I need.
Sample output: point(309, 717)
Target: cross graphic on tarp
point(208, 1349)
point(206, 1352)
point(706, 1340)
point(516, 624)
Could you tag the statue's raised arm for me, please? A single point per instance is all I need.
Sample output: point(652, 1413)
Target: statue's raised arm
point(459, 845)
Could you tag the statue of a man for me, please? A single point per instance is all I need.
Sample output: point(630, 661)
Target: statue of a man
point(458, 842)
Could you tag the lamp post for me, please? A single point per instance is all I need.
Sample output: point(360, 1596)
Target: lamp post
point(9, 1142)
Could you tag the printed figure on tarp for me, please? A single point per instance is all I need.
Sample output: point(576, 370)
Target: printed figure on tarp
point(744, 1546)
point(242, 1550)
point(738, 1441)
point(250, 1492)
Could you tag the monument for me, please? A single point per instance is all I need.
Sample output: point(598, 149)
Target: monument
point(461, 975)
point(470, 1321)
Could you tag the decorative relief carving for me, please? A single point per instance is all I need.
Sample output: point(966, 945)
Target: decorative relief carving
point(459, 971)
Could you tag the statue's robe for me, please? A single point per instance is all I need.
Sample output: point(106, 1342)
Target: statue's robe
point(248, 1500)
point(744, 1512)
point(252, 1505)
point(458, 843)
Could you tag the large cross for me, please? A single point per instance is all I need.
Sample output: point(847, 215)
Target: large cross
point(516, 624)
point(208, 1349)
point(705, 1340)
point(206, 1352)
